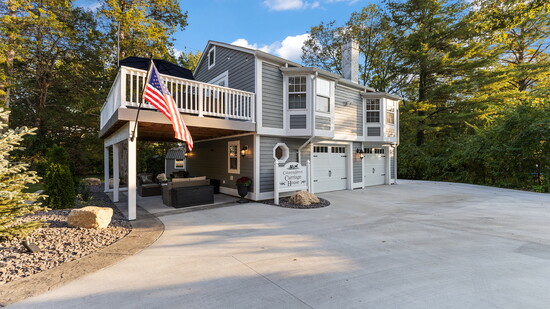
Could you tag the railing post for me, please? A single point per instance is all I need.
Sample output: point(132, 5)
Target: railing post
point(122, 87)
point(226, 103)
point(253, 108)
point(201, 97)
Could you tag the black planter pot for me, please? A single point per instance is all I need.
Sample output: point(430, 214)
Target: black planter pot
point(243, 191)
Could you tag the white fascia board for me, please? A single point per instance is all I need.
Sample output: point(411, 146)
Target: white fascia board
point(381, 95)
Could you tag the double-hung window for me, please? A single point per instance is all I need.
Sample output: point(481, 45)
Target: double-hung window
point(297, 92)
point(372, 110)
point(323, 96)
point(390, 113)
point(233, 158)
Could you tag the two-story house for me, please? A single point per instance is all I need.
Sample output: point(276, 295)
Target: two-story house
point(247, 108)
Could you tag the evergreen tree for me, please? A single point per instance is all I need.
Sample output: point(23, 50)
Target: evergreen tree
point(14, 177)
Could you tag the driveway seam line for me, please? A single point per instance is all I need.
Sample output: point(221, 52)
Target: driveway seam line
point(266, 278)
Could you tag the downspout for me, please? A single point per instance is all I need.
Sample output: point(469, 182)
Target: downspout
point(302, 147)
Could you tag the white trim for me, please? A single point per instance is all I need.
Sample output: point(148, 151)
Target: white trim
point(106, 172)
point(349, 167)
point(272, 131)
point(212, 49)
point(223, 137)
point(234, 192)
point(286, 152)
point(259, 93)
point(223, 77)
point(238, 145)
point(116, 172)
point(132, 175)
point(256, 165)
point(119, 136)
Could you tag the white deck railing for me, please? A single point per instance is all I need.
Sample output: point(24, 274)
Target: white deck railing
point(191, 97)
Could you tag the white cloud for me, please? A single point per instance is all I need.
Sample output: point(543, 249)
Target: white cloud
point(290, 48)
point(286, 5)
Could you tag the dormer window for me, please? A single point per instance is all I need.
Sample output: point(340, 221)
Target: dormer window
point(297, 92)
point(211, 57)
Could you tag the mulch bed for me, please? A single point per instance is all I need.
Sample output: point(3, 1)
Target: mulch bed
point(284, 202)
point(58, 242)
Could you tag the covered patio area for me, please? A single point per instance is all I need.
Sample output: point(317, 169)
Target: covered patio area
point(120, 145)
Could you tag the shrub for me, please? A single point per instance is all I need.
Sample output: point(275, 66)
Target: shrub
point(59, 186)
point(14, 177)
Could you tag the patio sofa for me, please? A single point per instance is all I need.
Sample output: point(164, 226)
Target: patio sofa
point(146, 186)
point(183, 192)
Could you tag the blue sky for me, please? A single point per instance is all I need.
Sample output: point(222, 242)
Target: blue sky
point(275, 26)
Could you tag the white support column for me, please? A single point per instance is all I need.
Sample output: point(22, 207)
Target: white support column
point(106, 172)
point(132, 174)
point(116, 172)
point(388, 165)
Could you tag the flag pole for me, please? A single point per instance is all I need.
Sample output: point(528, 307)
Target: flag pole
point(142, 99)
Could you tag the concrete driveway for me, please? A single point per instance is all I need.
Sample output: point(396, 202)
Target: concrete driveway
point(412, 245)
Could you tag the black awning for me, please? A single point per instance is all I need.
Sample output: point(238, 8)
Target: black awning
point(163, 66)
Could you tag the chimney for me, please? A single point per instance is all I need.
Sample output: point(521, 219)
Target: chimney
point(350, 61)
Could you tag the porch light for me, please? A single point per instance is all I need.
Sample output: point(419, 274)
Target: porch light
point(186, 154)
point(244, 150)
point(360, 152)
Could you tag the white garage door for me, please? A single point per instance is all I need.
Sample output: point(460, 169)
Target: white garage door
point(374, 167)
point(329, 168)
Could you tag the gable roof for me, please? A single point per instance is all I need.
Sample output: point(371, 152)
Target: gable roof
point(270, 57)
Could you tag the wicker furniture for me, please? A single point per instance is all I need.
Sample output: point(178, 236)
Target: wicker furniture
point(181, 183)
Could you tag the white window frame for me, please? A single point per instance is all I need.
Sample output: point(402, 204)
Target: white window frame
point(390, 113)
point(212, 52)
point(379, 110)
point(238, 156)
point(305, 93)
point(224, 77)
point(176, 164)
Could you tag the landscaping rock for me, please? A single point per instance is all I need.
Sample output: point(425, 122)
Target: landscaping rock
point(92, 181)
point(90, 217)
point(32, 248)
point(304, 198)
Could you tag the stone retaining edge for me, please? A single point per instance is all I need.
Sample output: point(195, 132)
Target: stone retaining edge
point(145, 231)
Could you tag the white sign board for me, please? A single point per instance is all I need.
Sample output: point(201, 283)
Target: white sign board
point(291, 177)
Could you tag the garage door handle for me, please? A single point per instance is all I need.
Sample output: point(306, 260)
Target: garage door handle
point(373, 170)
point(329, 173)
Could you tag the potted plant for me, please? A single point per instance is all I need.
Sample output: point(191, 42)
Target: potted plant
point(243, 186)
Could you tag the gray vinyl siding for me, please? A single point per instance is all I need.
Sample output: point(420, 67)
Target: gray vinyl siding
point(357, 164)
point(272, 96)
point(266, 157)
point(322, 123)
point(210, 159)
point(348, 119)
point(298, 121)
point(240, 67)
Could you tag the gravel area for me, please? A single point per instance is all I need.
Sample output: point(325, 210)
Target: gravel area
point(59, 243)
point(284, 202)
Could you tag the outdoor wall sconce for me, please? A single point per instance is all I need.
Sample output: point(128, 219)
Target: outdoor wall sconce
point(187, 154)
point(361, 153)
point(244, 150)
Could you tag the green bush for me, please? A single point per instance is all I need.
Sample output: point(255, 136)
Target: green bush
point(59, 186)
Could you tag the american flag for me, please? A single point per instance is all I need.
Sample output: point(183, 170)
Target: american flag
point(158, 95)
